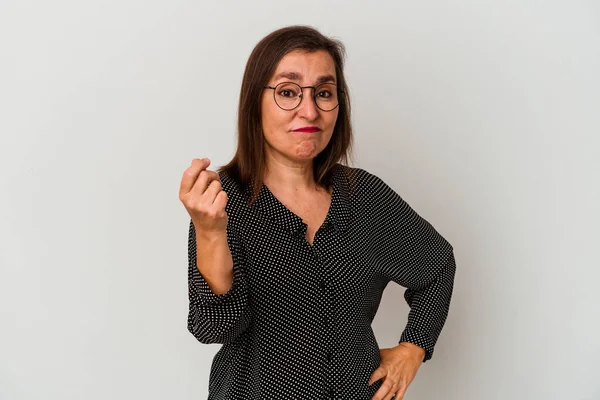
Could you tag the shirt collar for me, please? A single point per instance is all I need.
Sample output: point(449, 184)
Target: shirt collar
point(338, 215)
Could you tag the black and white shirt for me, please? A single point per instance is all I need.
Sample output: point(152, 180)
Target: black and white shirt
point(296, 323)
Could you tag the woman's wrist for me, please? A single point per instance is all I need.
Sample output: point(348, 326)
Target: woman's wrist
point(418, 351)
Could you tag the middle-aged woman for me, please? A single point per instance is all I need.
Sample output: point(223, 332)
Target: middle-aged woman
point(290, 249)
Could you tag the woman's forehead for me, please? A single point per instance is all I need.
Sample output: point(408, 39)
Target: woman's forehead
point(300, 65)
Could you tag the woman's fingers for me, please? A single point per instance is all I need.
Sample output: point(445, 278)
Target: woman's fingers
point(203, 196)
point(221, 201)
point(190, 175)
point(204, 179)
point(379, 373)
point(400, 393)
point(387, 390)
point(211, 192)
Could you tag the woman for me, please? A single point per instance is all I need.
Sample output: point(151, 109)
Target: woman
point(290, 250)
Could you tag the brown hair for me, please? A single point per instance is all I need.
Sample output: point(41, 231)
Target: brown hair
point(248, 165)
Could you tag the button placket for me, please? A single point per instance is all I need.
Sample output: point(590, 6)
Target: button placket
point(327, 314)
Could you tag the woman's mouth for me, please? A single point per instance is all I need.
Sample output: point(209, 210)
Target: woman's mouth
point(308, 129)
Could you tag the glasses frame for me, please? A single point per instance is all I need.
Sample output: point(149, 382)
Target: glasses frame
point(314, 95)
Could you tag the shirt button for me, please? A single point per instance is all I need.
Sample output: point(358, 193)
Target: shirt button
point(331, 394)
point(322, 285)
point(329, 357)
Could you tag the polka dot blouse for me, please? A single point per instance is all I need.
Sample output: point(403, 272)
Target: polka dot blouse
point(296, 323)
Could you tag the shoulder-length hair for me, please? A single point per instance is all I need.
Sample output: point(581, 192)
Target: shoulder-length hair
point(248, 165)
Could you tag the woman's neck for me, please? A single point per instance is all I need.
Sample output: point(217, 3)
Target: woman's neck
point(289, 177)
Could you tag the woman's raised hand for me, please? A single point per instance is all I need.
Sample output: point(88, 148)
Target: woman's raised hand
point(204, 198)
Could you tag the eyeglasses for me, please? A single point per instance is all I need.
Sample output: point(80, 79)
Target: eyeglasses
point(288, 95)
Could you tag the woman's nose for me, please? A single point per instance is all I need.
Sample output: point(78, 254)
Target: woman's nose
point(307, 108)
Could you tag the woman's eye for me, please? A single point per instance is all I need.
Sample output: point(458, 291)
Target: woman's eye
point(325, 94)
point(287, 93)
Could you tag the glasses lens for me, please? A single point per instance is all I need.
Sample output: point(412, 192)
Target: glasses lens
point(326, 96)
point(288, 95)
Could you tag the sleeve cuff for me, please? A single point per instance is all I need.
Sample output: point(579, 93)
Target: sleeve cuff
point(206, 296)
point(421, 340)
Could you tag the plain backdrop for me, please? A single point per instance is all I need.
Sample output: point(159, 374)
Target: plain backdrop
point(483, 115)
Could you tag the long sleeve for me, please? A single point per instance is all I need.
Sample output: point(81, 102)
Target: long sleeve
point(218, 318)
point(418, 258)
point(429, 308)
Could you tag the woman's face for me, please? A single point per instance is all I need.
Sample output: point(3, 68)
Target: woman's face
point(284, 142)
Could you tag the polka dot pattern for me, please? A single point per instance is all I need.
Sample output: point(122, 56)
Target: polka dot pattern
point(296, 322)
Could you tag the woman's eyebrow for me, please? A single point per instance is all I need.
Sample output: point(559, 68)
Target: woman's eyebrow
point(295, 76)
point(326, 78)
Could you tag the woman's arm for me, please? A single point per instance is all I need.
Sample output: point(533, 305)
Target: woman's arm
point(218, 303)
point(429, 306)
point(417, 257)
point(214, 260)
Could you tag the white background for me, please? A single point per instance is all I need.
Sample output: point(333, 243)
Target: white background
point(483, 115)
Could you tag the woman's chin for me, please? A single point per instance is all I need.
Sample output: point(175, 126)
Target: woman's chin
point(307, 150)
